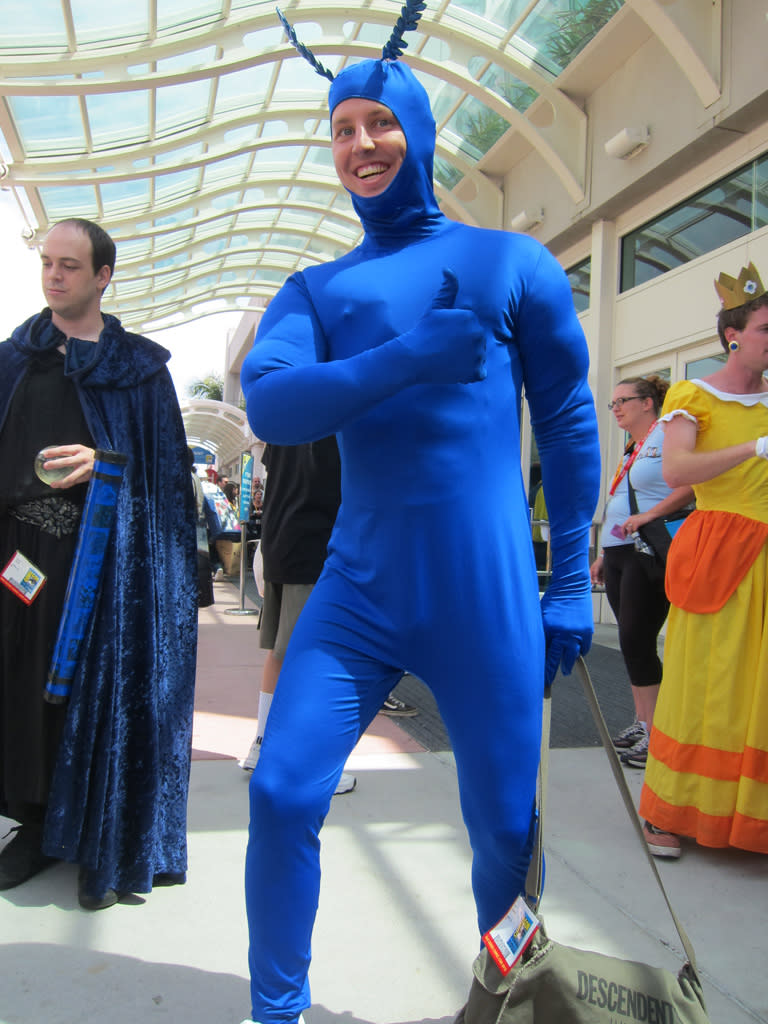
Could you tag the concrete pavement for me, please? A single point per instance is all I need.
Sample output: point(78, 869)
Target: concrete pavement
point(395, 935)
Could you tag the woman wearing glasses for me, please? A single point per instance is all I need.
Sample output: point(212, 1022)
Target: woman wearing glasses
point(638, 602)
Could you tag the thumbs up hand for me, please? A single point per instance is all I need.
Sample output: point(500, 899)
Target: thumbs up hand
point(448, 343)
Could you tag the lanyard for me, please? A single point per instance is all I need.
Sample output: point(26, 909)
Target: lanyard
point(624, 467)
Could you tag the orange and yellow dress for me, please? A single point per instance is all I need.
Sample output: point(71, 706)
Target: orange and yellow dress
point(707, 770)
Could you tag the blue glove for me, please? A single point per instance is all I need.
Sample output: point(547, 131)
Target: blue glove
point(447, 344)
point(308, 400)
point(566, 610)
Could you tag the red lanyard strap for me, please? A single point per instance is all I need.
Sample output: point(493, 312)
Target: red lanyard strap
point(624, 467)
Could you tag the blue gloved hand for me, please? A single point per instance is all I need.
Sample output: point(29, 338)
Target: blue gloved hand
point(447, 345)
point(566, 610)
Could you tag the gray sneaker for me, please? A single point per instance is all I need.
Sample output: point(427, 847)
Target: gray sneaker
point(636, 756)
point(628, 737)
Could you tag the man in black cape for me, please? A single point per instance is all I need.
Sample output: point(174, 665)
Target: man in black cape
point(101, 780)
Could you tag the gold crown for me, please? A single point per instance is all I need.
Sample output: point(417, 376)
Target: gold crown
point(736, 291)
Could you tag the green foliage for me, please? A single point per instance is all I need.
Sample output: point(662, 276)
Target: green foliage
point(518, 95)
point(482, 128)
point(569, 32)
point(575, 28)
point(211, 387)
point(446, 173)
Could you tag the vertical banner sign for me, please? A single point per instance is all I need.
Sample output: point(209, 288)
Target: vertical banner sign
point(246, 484)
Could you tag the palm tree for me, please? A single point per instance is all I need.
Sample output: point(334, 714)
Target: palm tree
point(211, 386)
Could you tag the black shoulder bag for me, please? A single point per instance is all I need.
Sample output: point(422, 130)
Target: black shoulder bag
point(656, 536)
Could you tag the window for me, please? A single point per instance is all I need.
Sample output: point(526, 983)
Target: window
point(580, 279)
point(704, 367)
point(729, 209)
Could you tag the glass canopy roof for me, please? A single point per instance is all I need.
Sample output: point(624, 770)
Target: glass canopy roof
point(198, 137)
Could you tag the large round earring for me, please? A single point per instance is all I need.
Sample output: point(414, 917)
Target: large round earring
point(733, 346)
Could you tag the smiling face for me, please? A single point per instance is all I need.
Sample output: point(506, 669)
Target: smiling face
point(368, 146)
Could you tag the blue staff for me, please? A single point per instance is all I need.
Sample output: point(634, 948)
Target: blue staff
point(85, 572)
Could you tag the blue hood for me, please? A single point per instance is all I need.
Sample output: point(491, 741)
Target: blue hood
point(408, 207)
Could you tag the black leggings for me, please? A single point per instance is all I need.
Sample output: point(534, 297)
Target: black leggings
point(640, 608)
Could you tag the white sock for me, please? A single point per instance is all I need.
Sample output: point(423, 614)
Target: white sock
point(265, 703)
point(645, 727)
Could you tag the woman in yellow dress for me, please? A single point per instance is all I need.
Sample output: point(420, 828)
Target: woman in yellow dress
point(707, 769)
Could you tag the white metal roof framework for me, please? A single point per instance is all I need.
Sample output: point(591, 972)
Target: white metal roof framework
point(198, 137)
point(193, 131)
point(216, 426)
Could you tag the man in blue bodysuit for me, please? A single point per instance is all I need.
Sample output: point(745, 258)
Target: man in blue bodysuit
point(415, 349)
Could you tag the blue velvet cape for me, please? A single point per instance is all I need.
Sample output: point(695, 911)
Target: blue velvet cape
point(119, 793)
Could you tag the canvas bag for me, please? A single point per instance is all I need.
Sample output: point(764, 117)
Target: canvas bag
point(557, 984)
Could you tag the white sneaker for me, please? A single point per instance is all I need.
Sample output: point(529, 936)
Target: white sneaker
point(346, 784)
point(248, 763)
point(249, 1021)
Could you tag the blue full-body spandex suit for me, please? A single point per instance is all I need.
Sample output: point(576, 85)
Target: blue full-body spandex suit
point(420, 373)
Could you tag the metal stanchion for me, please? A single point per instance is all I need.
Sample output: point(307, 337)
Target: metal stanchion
point(242, 610)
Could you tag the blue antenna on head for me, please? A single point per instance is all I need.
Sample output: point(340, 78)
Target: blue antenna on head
point(410, 13)
point(301, 49)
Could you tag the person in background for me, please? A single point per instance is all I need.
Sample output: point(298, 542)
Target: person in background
point(299, 508)
point(298, 511)
point(414, 349)
point(101, 780)
point(540, 533)
point(231, 490)
point(638, 602)
point(707, 772)
point(205, 596)
point(254, 519)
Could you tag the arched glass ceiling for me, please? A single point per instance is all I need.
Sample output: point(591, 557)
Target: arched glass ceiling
point(193, 132)
point(216, 426)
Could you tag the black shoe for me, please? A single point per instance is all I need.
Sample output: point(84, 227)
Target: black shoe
point(22, 858)
point(396, 708)
point(90, 900)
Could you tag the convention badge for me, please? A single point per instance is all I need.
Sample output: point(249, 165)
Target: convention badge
point(48, 476)
point(508, 940)
point(22, 578)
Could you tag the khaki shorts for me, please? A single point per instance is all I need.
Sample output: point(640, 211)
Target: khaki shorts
point(280, 610)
